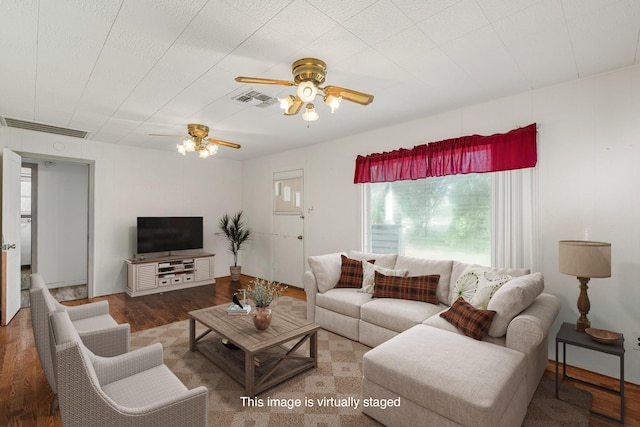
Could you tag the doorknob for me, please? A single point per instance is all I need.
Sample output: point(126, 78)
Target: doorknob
point(6, 247)
point(299, 238)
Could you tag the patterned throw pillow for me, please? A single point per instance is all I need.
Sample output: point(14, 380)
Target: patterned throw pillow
point(417, 288)
point(477, 286)
point(469, 320)
point(351, 273)
point(368, 281)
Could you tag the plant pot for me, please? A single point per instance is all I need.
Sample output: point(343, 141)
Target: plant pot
point(235, 273)
point(261, 317)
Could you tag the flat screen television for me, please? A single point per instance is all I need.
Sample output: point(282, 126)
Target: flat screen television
point(169, 233)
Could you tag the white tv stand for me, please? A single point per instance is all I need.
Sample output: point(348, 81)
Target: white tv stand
point(169, 273)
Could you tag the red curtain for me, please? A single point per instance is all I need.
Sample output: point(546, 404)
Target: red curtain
point(476, 153)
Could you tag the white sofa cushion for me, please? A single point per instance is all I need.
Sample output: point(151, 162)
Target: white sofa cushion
point(511, 299)
point(327, 269)
point(383, 260)
point(345, 301)
point(398, 314)
point(423, 267)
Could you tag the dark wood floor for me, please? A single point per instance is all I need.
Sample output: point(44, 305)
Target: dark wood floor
point(25, 396)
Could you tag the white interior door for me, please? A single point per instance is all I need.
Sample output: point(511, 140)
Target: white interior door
point(11, 169)
point(288, 228)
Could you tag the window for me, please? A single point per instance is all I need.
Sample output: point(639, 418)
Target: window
point(446, 217)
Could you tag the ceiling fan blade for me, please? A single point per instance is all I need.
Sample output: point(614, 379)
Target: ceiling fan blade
point(161, 134)
point(257, 80)
point(349, 94)
point(224, 143)
point(295, 107)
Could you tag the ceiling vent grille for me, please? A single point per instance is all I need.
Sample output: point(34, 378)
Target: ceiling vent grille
point(40, 127)
point(258, 99)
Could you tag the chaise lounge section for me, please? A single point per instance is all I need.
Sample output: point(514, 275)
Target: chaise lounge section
point(442, 376)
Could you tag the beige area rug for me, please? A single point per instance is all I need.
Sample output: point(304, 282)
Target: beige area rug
point(338, 376)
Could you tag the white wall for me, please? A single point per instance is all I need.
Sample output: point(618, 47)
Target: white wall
point(588, 150)
point(130, 182)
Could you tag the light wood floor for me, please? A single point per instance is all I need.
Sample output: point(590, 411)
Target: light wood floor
point(25, 396)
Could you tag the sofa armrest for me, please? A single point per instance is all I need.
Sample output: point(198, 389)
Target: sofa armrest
point(83, 311)
point(311, 289)
point(110, 369)
point(528, 329)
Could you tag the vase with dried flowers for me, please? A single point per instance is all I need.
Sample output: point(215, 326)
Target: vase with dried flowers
point(263, 292)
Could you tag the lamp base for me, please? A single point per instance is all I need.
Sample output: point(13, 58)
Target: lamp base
point(582, 324)
point(583, 305)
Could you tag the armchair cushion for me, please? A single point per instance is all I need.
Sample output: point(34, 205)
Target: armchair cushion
point(88, 324)
point(158, 383)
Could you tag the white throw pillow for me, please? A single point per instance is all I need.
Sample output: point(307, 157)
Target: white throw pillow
point(511, 299)
point(369, 273)
point(478, 285)
point(327, 269)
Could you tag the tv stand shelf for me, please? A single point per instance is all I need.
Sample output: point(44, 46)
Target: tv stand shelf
point(169, 273)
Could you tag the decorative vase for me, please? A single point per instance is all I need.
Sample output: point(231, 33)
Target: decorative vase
point(261, 317)
point(235, 273)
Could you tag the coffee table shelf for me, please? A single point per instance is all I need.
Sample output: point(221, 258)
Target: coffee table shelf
point(261, 359)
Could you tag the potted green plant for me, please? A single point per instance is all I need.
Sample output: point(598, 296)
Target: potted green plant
point(263, 292)
point(234, 228)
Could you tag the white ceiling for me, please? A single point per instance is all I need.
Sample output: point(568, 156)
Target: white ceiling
point(122, 69)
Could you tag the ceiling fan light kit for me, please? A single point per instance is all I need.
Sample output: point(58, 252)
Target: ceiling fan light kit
point(307, 91)
point(310, 114)
point(333, 102)
point(308, 75)
point(197, 141)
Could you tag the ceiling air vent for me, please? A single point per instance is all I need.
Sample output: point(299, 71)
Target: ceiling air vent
point(40, 127)
point(258, 99)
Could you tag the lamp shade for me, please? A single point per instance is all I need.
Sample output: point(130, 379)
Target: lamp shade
point(583, 258)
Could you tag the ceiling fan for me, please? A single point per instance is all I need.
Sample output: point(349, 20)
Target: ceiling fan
point(309, 74)
point(197, 141)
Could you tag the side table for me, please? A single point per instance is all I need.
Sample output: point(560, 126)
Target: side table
point(568, 335)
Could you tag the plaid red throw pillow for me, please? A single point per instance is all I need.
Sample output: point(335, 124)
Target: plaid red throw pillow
point(351, 273)
point(469, 320)
point(417, 288)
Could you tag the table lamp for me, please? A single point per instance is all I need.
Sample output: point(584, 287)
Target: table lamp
point(585, 260)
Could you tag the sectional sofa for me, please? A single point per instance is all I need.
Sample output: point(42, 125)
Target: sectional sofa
point(452, 343)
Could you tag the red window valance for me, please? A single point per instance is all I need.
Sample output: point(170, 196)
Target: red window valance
point(476, 153)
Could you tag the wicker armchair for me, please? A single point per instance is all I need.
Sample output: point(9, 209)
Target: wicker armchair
point(133, 389)
point(98, 330)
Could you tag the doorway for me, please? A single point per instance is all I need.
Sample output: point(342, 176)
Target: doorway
point(28, 228)
point(54, 227)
